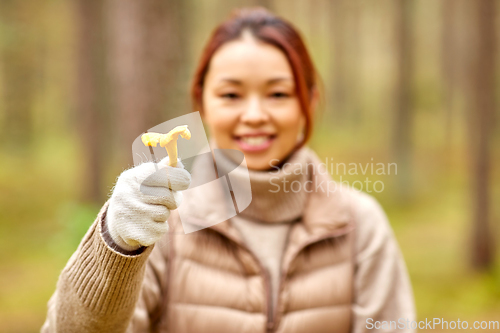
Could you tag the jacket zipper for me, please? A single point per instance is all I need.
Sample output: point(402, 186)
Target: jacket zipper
point(272, 312)
point(267, 279)
point(265, 271)
point(340, 232)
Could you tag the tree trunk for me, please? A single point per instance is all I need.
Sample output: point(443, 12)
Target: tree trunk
point(481, 110)
point(403, 122)
point(449, 67)
point(337, 27)
point(90, 96)
point(18, 50)
point(147, 51)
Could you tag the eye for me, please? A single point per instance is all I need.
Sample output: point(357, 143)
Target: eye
point(230, 96)
point(279, 94)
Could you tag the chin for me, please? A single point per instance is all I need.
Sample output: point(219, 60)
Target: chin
point(265, 161)
point(258, 164)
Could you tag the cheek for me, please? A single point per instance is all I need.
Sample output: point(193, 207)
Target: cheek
point(220, 123)
point(223, 127)
point(290, 122)
point(211, 112)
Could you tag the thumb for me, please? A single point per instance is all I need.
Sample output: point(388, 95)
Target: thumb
point(164, 163)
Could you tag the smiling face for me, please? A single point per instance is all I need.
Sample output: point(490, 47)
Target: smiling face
point(250, 102)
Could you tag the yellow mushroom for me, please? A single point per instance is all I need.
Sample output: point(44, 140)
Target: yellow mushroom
point(169, 141)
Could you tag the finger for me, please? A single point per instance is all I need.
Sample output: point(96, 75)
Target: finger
point(144, 170)
point(146, 233)
point(164, 162)
point(174, 178)
point(175, 202)
point(155, 230)
point(156, 195)
point(157, 212)
point(161, 196)
point(178, 198)
point(160, 213)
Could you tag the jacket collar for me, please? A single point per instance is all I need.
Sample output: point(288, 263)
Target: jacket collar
point(327, 210)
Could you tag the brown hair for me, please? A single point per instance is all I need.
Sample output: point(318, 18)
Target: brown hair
point(270, 29)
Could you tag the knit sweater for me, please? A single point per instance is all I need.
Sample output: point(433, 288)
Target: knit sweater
point(266, 222)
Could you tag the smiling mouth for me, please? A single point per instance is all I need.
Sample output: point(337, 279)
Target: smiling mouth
point(254, 142)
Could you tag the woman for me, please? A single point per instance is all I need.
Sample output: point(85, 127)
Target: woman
point(303, 257)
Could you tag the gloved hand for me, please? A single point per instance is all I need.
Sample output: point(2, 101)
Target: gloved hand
point(141, 202)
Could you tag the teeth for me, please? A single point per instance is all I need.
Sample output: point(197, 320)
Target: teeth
point(255, 140)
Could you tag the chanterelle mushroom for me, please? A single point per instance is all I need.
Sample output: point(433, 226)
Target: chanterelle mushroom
point(169, 141)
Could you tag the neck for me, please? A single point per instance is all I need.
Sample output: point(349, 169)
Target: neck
point(278, 194)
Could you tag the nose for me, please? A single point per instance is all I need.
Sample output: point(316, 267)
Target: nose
point(254, 113)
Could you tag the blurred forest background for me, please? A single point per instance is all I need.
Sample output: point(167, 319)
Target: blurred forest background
point(413, 82)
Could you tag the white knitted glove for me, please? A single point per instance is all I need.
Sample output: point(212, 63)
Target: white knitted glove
point(141, 202)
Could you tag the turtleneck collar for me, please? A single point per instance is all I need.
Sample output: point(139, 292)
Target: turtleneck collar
point(278, 194)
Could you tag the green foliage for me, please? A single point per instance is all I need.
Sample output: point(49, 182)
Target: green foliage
point(74, 219)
